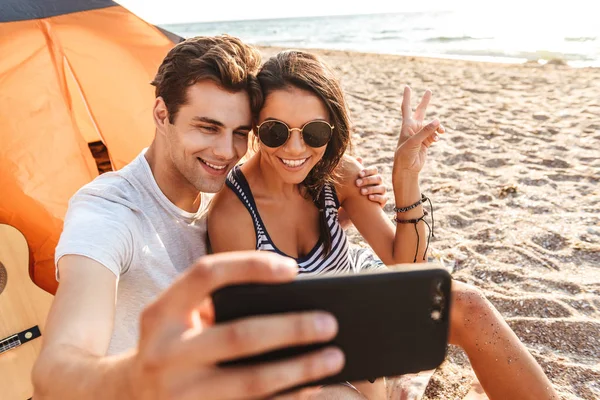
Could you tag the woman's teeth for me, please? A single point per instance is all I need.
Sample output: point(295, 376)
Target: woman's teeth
point(213, 166)
point(294, 163)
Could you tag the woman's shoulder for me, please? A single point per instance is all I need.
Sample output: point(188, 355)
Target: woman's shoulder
point(230, 225)
point(225, 204)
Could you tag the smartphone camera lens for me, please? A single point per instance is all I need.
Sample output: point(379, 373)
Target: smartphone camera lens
point(438, 301)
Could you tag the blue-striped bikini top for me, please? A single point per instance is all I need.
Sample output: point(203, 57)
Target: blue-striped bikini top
point(316, 261)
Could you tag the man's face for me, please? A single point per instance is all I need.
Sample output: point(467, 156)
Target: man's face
point(209, 135)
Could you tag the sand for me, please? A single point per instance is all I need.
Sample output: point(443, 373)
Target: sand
point(515, 187)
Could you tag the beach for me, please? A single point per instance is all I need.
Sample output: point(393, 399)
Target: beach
point(515, 188)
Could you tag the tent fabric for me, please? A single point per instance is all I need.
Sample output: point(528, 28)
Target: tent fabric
point(20, 10)
point(172, 37)
point(66, 81)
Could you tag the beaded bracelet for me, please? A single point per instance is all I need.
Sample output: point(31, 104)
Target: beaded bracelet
point(422, 200)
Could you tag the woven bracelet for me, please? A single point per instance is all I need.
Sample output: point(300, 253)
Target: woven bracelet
point(410, 221)
point(422, 200)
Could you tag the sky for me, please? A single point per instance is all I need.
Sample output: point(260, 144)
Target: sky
point(178, 11)
point(523, 17)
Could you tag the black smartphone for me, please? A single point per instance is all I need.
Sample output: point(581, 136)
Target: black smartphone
point(391, 322)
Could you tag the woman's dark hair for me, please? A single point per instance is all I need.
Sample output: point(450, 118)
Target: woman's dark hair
point(302, 70)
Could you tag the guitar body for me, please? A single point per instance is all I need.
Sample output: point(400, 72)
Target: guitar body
point(23, 307)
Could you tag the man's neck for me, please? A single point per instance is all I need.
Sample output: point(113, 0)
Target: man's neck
point(174, 186)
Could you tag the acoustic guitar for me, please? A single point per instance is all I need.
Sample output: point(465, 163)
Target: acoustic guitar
point(23, 311)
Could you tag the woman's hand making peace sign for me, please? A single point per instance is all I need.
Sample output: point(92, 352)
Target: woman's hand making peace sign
point(415, 137)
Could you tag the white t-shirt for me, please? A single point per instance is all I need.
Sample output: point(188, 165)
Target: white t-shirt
point(123, 221)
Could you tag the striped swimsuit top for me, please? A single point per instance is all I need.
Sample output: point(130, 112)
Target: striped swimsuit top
point(316, 261)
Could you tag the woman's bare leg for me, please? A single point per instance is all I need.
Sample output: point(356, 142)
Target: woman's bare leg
point(476, 392)
point(501, 362)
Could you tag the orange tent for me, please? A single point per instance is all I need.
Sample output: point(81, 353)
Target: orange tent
point(71, 73)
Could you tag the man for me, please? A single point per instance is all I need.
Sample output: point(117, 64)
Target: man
point(141, 230)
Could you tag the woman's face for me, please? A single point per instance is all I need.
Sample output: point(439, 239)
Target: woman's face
point(293, 160)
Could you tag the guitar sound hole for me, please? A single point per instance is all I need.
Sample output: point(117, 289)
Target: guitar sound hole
point(3, 278)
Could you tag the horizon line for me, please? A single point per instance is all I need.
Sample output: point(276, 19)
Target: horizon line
point(304, 16)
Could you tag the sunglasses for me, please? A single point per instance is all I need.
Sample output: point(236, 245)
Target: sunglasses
point(274, 133)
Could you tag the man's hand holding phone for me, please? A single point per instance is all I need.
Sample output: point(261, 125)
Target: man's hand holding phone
point(180, 346)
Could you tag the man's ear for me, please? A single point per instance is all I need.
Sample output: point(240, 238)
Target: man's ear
point(161, 115)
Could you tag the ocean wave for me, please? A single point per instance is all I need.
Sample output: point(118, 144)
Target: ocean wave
point(387, 31)
point(338, 38)
point(581, 39)
point(540, 56)
point(546, 55)
point(283, 41)
point(387, 37)
point(446, 39)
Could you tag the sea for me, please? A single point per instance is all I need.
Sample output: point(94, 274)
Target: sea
point(565, 35)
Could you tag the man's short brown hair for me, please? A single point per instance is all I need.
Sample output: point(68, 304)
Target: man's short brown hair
point(224, 59)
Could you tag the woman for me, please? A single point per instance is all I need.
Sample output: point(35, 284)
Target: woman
point(285, 199)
